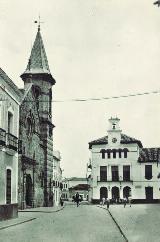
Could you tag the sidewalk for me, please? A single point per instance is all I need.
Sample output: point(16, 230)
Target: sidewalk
point(27, 215)
point(139, 222)
point(42, 210)
point(16, 221)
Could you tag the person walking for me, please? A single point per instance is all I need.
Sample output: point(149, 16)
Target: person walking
point(103, 200)
point(130, 200)
point(108, 202)
point(77, 199)
point(125, 201)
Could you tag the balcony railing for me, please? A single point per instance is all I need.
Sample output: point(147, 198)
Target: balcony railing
point(2, 137)
point(113, 179)
point(12, 141)
point(101, 179)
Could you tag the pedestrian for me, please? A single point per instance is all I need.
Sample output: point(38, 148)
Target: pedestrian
point(130, 200)
point(108, 202)
point(77, 199)
point(125, 201)
point(61, 201)
point(103, 200)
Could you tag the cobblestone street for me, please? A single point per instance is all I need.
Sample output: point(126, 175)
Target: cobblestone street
point(88, 223)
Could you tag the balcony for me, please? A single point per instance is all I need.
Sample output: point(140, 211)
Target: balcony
point(2, 137)
point(12, 141)
point(101, 179)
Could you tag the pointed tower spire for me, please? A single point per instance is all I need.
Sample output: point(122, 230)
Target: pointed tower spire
point(38, 63)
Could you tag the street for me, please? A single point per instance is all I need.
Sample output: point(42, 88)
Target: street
point(88, 223)
point(85, 223)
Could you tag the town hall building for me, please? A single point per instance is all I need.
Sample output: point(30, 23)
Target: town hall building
point(121, 167)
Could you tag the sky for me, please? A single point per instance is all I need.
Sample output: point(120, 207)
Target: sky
point(95, 48)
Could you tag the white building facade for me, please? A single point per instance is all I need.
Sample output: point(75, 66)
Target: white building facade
point(57, 178)
point(9, 127)
point(121, 167)
point(75, 184)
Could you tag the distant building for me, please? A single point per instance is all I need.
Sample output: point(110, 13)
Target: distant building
point(9, 127)
point(73, 185)
point(121, 167)
point(57, 178)
point(36, 131)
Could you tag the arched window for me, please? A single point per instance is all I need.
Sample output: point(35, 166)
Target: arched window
point(8, 186)
point(114, 153)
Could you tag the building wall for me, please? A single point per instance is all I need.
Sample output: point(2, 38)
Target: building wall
point(9, 102)
point(57, 178)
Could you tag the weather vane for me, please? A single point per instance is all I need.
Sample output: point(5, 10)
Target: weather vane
point(157, 3)
point(39, 22)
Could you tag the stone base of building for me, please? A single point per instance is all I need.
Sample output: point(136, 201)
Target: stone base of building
point(8, 211)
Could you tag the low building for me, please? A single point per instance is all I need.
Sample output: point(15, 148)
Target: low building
point(73, 185)
point(82, 189)
point(57, 178)
point(9, 126)
point(121, 167)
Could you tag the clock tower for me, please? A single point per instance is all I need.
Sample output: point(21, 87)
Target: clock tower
point(114, 132)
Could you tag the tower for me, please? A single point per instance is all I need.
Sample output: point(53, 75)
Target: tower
point(114, 132)
point(38, 74)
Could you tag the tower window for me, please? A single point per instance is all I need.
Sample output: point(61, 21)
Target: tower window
point(114, 126)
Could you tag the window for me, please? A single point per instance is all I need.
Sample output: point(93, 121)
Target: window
point(50, 131)
point(66, 185)
point(103, 153)
point(126, 173)
point(125, 153)
point(50, 101)
point(114, 126)
point(148, 172)
point(120, 154)
point(10, 122)
point(108, 155)
point(8, 186)
point(115, 174)
point(114, 154)
point(103, 173)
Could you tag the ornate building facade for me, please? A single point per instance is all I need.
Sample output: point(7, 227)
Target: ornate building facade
point(36, 131)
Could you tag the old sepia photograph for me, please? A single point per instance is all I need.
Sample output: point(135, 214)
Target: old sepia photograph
point(80, 121)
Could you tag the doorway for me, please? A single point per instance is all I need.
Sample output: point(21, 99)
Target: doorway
point(115, 194)
point(149, 193)
point(103, 192)
point(28, 190)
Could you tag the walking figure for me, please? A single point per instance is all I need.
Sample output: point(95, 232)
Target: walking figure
point(108, 203)
point(125, 201)
point(103, 200)
point(130, 200)
point(77, 198)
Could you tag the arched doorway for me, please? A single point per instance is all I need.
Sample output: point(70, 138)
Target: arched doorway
point(126, 192)
point(115, 194)
point(28, 190)
point(103, 192)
